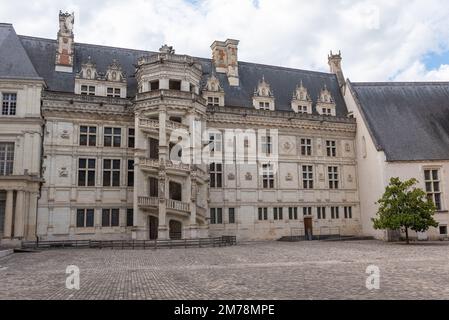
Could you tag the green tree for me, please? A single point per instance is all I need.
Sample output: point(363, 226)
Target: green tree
point(405, 206)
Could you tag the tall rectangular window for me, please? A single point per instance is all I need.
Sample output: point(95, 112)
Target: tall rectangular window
point(306, 147)
point(111, 173)
point(307, 177)
point(216, 175)
point(231, 212)
point(333, 177)
point(6, 159)
point(263, 214)
point(9, 104)
point(331, 148)
point(293, 213)
point(321, 213)
point(154, 149)
point(348, 212)
point(307, 211)
point(215, 142)
point(174, 85)
point(433, 187)
point(88, 136)
point(110, 218)
point(278, 214)
point(154, 187)
point(85, 218)
point(130, 218)
point(267, 145)
point(131, 137)
point(112, 137)
point(86, 172)
point(335, 212)
point(267, 176)
point(216, 216)
point(130, 173)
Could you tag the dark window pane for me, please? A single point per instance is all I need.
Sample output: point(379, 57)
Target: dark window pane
point(116, 164)
point(115, 218)
point(231, 215)
point(116, 179)
point(91, 163)
point(105, 218)
point(81, 178)
point(83, 140)
point(108, 130)
point(108, 141)
point(106, 178)
point(92, 140)
point(90, 218)
point(91, 179)
point(117, 141)
point(82, 163)
point(80, 219)
point(130, 218)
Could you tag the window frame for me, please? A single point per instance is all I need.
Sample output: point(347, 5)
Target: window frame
point(306, 147)
point(110, 214)
point(7, 158)
point(307, 177)
point(216, 175)
point(268, 181)
point(331, 148)
point(89, 172)
point(130, 173)
point(85, 218)
point(432, 194)
point(9, 106)
point(112, 136)
point(216, 216)
point(88, 136)
point(113, 173)
point(333, 173)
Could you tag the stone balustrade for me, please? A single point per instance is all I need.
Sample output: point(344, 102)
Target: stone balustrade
point(170, 204)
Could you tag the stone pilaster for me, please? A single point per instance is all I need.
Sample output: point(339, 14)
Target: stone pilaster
point(7, 234)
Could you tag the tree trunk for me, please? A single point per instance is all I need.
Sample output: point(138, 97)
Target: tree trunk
point(406, 236)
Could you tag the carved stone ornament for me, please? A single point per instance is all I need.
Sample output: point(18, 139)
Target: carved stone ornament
point(248, 176)
point(347, 147)
point(231, 177)
point(65, 134)
point(321, 176)
point(350, 178)
point(63, 173)
point(289, 177)
point(287, 146)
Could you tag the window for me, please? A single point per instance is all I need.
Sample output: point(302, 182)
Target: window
point(307, 211)
point(86, 172)
point(267, 176)
point(215, 142)
point(331, 147)
point(174, 85)
point(303, 109)
point(154, 188)
point(433, 189)
point(231, 212)
point(443, 230)
point(216, 216)
point(264, 105)
point(216, 175)
point(213, 102)
point(85, 218)
point(306, 147)
point(154, 85)
point(263, 214)
point(293, 213)
point(321, 213)
point(154, 149)
point(6, 159)
point(111, 173)
point(130, 218)
point(326, 111)
point(278, 214)
point(130, 173)
point(335, 212)
point(112, 137)
point(267, 145)
point(114, 92)
point(307, 177)
point(131, 138)
point(9, 104)
point(87, 90)
point(88, 136)
point(348, 212)
point(110, 218)
point(333, 177)
point(175, 191)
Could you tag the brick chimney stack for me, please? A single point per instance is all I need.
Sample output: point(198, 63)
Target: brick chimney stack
point(334, 61)
point(66, 43)
point(225, 58)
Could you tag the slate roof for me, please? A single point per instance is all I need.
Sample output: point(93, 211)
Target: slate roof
point(408, 121)
point(14, 61)
point(283, 81)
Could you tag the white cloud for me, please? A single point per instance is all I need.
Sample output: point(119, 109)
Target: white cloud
point(380, 40)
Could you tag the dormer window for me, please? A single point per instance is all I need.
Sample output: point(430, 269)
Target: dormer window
point(213, 92)
point(114, 92)
point(326, 104)
point(213, 102)
point(263, 97)
point(301, 102)
point(87, 90)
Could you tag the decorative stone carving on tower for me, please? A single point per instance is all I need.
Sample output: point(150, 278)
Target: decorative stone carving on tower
point(301, 102)
point(326, 104)
point(263, 98)
point(334, 61)
point(213, 92)
point(115, 73)
point(66, 44)
point(225, 58)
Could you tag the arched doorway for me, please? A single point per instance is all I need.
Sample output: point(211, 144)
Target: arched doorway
point(154, 226)
point(175, 230)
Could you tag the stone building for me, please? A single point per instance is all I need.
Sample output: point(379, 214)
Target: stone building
point(111, 143)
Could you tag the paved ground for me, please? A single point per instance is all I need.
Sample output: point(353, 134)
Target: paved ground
point(271, 270)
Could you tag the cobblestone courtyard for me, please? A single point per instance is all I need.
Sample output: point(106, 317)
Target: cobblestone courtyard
point(270, 270)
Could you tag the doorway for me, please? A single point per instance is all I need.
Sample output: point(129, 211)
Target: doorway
point(308, 228)
point(154, 227)
point(175, 230)
point(175, 191)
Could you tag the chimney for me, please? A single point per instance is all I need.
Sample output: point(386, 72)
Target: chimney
point(225, 58)
point(66, 43)
point(334, 61)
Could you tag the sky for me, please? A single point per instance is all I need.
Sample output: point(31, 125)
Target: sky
point(381, 40)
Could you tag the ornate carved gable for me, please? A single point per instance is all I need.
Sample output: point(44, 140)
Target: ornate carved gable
point(263, 89)
point(325, 96)
point(115, 72)
point(88, 70)
point(213, 84)
point(213, 92)
point(301, 94)
point(301, 102)
point(326, 103)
